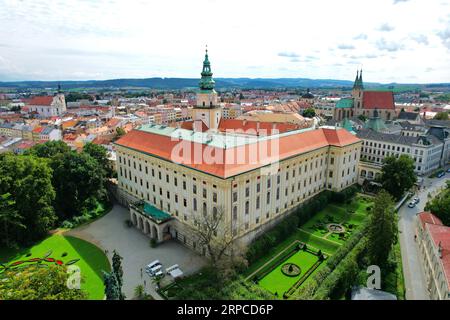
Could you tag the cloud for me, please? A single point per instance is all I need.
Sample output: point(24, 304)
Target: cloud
point(288, 54)
point(361, 36)
point(429, 69)
point(400, 1)
point(445, 37)
point(390, 46)
point(295, 60)
point(385, 27)
point(346, 47)
point(420, 39)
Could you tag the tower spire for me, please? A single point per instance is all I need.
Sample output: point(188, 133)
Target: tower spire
point(356, 83)
point(206, 82)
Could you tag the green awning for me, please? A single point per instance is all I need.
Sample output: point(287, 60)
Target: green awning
point(155, 213)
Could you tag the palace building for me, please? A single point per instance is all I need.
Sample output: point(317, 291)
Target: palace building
point(256, 173)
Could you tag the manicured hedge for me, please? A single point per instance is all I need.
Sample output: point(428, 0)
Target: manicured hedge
point(343, 277)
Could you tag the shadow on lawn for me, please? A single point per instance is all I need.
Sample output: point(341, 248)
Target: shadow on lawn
point(94, 257)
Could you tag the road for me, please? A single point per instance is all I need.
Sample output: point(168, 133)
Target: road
point(413, 271)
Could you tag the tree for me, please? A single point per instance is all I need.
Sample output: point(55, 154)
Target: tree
point(382, 230)
point(216, 236)
point(100, 154)
point(397, 175)
point(441, 116)
point(139, 291)
point(49, 149)
point(39, 283)
point(440, 205)
point(112, 290)
point(10, 219)
point(28, 180)
point(309, 113)
point(79, 181)
point(362, 117)
point(118, 272)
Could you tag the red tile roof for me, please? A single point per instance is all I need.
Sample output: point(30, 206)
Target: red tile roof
point(378, 100)
point(40, 101)
point(249, 127)
point(226, 162)
point(441, 237)
point(428, 217)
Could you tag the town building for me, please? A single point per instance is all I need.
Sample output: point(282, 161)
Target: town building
point(434, 248)
point(47, 106)
point(365, 102)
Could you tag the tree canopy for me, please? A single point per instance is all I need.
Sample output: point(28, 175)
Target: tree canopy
point(39, 283)
point(382, 231)
point(397, 175)
point(28, 180)
point(440, 205)
point(309, 113)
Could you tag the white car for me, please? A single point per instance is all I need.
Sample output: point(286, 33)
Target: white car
point(411, 205)
point(416, 200)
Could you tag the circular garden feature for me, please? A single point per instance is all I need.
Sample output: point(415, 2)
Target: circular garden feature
point(291, 269)
point(335, 228)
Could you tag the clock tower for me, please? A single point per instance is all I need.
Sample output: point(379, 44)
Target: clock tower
point(207, 108)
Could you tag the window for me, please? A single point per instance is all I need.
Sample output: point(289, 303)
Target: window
point(194, 189)
point(257, 202)
point(234, 196)
point(247, 192)
point(268, 183)
point(204, 193)
point(258, 187)
point(247, 207)
point(194, 204)
point(184, 185)
point(214, 197)
point(175, 181)
point(278, 193)
point(234, 213)
point(205, 209)
point(268, 197)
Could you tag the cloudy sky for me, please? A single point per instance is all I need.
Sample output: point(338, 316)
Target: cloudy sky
point(392, 40)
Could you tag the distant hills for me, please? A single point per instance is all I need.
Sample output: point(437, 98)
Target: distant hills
point(221, 83)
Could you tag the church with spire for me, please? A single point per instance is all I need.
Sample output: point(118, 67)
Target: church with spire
point(207, 108)
point(366, 102)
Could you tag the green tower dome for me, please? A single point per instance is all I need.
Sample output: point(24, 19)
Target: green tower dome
point(206, 82)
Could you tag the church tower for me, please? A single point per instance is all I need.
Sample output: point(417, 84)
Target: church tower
point(357, 93)
point(207, 108)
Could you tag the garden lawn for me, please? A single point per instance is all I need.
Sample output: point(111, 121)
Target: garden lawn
point(92, 259)
point(277, 282)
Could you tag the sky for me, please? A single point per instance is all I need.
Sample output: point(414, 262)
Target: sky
point(405, 41)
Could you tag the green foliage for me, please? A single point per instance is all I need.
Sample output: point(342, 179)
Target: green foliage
point(10, 220)
point(440, 205)
point(48, 149)
point(441, 116)
point(309, 113)
point(112, 290)
point(28, 180)
point(209, 285)
point(79, 182)
point(397, 175)
point(39, 283)
point(100, 154)
point(118, 273)
point(382, 231)
point(75, 96)
point(139, 291)
point(342, 278)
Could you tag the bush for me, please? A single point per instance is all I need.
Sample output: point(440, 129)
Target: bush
point(67, 224)
point(153, 243)
point(128, 223)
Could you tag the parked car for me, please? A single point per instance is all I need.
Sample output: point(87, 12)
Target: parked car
point(448, 170)
point(416, 200)
point(411, 205)
point(441, 174)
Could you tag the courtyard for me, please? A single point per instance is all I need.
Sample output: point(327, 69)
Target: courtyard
point(324, 233)
point(111, 233)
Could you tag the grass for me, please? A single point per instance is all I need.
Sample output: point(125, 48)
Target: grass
point(350, 215)
point(277, 283)
point(394, 281)
point(92, 259)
